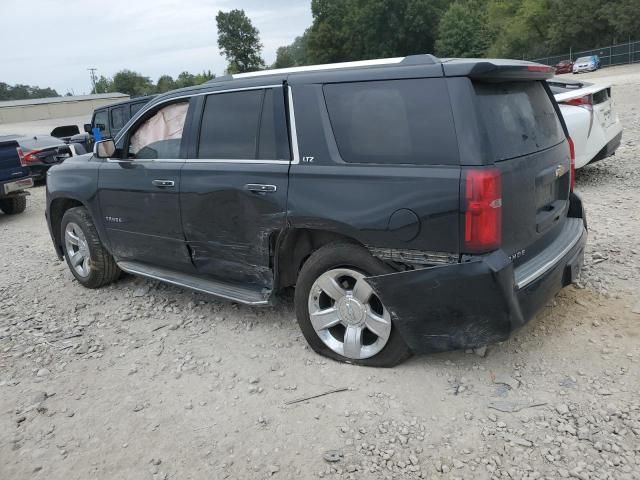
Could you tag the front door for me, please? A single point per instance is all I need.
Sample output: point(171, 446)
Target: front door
point(139, 192)
point(234, 184)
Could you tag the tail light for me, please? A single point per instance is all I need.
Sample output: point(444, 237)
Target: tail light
point(21, 156)
point(29, 157)
point(572, 152)
point(584, 102)
point(483, 210)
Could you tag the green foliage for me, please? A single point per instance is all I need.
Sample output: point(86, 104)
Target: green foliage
point(293, 55)
point(103, 85)
point(165, 83)
point(132, 83)
point(24, 92)
point(344, 30)
point(462, 31)
point(239, 42)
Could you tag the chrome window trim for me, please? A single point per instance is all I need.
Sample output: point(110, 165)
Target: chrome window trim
point(198, 94)
point(294, 131)
point(292, 121)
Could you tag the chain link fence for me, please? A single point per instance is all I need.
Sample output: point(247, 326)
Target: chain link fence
point(621, 54)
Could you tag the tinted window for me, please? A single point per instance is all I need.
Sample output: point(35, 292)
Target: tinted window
point(519, 118)
point(234, 123)
point(118, 118)
point(101, 121)
point(135, 107)
point(230, 125)
point(396, 121)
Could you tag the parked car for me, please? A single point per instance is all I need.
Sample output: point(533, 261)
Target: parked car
point(110, 119)
point(565, 66)
point(40, 152)
point(589, 113)
point(14, 178)
point(586, 64)
point(415, 204)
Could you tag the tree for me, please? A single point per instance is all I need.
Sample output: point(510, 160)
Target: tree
point(462, 31)
point(165, 83)
point(24, 92)
point(239, 42)
point(293, 55)
point(132, 83)
point(103, 85)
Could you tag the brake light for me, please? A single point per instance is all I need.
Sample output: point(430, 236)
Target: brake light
point(483, 213)
point(541, 68)
point(572, 153)
point(23, 161)
point(586, 101)
point(27, 158)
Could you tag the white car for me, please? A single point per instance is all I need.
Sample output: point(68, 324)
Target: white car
point(588, 111)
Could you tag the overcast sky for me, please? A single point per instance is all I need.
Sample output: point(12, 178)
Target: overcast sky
point(51, 43)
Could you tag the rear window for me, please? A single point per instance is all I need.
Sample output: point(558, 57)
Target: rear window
point(519, 118)
point(393, 122)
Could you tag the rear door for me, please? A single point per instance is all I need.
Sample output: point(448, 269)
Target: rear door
point(529, 147)
point(234, 184)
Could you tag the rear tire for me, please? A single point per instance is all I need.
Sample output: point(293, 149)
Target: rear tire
point(91, 263)
point(348, 262)
point(13, 205)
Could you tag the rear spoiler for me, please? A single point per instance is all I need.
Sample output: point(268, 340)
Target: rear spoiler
point(497, 70)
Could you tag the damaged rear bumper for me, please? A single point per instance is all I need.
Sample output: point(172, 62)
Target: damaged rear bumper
point(478, 302)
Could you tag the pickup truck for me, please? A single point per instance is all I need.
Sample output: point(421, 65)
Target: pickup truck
point(15, 177)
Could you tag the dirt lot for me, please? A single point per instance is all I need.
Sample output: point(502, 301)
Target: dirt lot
point(145, 381)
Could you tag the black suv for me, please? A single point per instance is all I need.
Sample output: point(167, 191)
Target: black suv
point(415, 204)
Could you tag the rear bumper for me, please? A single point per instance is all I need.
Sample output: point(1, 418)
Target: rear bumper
point(609, 149)
point(15, 186)
point(479, 302)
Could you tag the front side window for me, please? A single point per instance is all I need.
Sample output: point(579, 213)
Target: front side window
point(245, 125)
point(118, 118)
point(393, 122)
point(160, 135)
point(100, 120)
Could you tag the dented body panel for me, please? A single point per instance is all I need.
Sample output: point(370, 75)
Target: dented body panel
point(474, 303)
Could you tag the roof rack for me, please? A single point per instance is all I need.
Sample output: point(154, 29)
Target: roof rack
point(410, 60)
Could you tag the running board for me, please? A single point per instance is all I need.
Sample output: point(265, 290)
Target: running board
point(234, 293)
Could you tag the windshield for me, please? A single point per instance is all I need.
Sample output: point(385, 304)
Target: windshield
point(584, 59)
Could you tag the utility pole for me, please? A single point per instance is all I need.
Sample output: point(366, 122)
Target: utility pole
point(92, 73)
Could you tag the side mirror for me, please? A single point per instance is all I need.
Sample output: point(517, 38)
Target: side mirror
point(104, 148)
point(87, 128)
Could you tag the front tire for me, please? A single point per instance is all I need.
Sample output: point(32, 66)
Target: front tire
point(13, 205)
point(339, 314)
point(91, 263)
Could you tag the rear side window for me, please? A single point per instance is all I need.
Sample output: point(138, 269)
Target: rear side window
point(393, 122)
point(118, 118)
point(519, 118)
point(135, 107)
point(245, 125)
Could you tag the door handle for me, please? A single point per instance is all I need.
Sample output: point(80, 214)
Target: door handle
point(260, 188)
point(163, 183)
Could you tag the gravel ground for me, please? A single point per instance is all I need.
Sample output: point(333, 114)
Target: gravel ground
point(147, 381)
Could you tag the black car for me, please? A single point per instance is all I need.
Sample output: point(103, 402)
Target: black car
point(111, 118)
point(416, 205)
point(41, 152)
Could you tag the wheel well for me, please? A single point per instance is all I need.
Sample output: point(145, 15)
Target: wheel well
point(295, 246)
point(58, 207)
